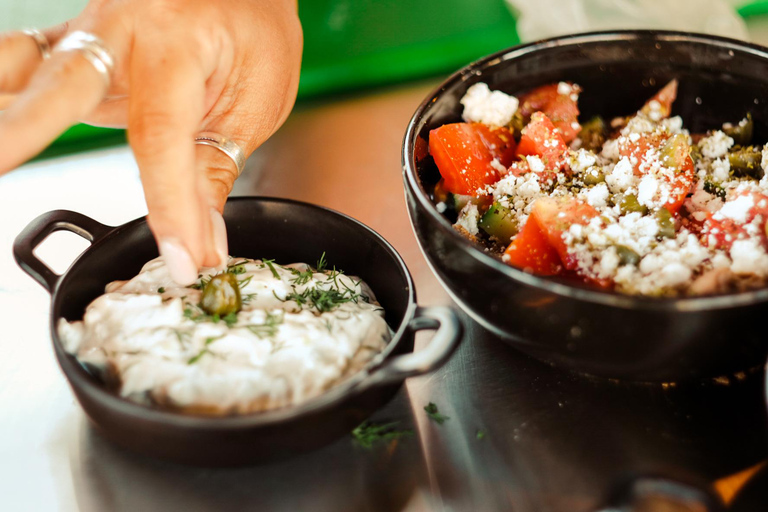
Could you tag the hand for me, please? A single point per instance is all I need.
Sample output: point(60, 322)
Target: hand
point(181, 67)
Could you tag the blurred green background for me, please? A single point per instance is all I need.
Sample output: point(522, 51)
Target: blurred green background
point(348, 44)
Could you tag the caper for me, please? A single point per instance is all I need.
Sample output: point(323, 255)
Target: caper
point(593, 133)
point(665, 223)
point(627, 256)
point(221, 295)
point(628, 203)
point(593, 176)
point(746, 162)
point(742, 132)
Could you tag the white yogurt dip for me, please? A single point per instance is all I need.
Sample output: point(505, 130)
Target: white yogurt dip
point(299, 332)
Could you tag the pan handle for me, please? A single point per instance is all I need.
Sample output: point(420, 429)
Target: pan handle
point(448, 333)
point(36, 231)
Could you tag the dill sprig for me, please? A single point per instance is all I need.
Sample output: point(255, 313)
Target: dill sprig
point(268, 328)
point(434, 414)
point(322, 299)
point(205, 350)
point(321, 263)
point(367, 434)
point(301, 277)
point(196, 314)
point(270, 264)
point(236, 269)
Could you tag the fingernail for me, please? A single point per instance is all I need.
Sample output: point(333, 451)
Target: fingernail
point(220, 237)
point(178, 260)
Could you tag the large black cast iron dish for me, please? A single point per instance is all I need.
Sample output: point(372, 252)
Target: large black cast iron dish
point(287, 231)
point(596, 332)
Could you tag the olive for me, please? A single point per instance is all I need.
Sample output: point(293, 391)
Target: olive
point(665, 223)
point(221, 295)
point(628, 203)
point(741, 133)
point(593, 133)
point(627, 256)
point(746, 162)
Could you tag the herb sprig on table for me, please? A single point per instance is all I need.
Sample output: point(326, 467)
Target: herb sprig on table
point(367, 434)
point(434, 414)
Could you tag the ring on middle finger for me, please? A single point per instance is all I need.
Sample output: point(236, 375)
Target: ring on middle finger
point(93, 49)
point(40, 40)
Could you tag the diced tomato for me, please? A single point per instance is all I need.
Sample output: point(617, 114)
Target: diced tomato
point(663, 102)
point(562, 109)
point(673, 152)
point(637, 150)
point(555, 216)
point(540, 138)
point(531, 251)
point(676, 155)
point(723, 231)
point(463, 153)
point(540, 245)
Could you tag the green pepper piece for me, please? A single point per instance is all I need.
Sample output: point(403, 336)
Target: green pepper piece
point(746, 162)
point(516, 125)
point(741, 133)
point(593, 134)
point(593, 177)
point(673, 151)
point(221, 295)
point(627, 256)
point(710, 187)
point(628, 203)
point(499, 222)
point(665, 223)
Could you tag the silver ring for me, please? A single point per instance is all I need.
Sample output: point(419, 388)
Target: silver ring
point(93, 49)
point(225, 145)
point(40, 40)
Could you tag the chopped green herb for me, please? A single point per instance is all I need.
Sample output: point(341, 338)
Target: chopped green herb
point(248, 297)
point(236, 269)
point(270, 264)
point(367, 433)
point(480, 434)
point(321, 263)
point(230, 319)
point(301, 277)
point(244, 282)
point(161, 290)
point(434, 414)
point(268, 328)
point(196, 358)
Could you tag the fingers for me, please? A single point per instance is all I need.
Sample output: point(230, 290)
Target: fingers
point(63, 90)
point(20, 57)
point(165, 107)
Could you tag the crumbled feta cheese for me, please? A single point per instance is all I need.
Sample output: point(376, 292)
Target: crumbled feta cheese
point(646, 190)
point(721, 169)
point(673, 125)
point(597, 196)
point(441, 207)
point(481, 105)
point(535, 163)
point(716, 145)
point(737, 209)
point(564, 88)
point(749, 257)
point(611, 150)
point(621, 177)
point(496, 164)
point(468, 219)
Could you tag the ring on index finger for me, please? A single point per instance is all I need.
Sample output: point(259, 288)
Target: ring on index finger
point(93, 49)
point(40, 40)
point(225, 145)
